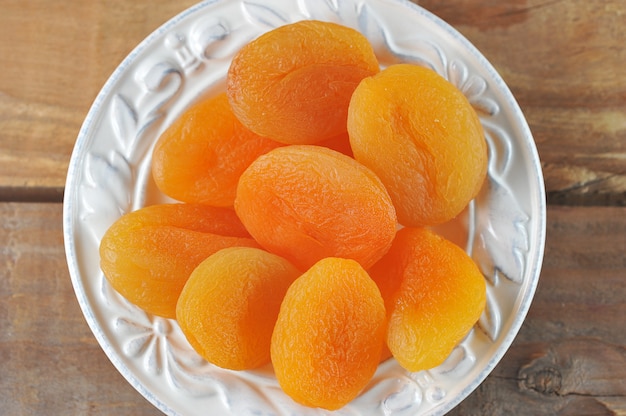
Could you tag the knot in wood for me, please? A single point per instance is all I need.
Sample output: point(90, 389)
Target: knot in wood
point(545, 380)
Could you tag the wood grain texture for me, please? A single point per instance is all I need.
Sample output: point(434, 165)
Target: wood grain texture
point(50, 362)
point(568, 359)
point(570, 355)
point(55, 57)
point(563, 60)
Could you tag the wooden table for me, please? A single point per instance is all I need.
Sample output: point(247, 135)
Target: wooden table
point(565, 62)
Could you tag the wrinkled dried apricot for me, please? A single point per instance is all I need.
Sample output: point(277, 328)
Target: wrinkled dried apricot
point(424, 140)
point(200, 157)
point(147, 255)
point(434, 294)
point(329, 334)
point(306, 202)
point(293, 84)
point(339, 143)
point(229, 305)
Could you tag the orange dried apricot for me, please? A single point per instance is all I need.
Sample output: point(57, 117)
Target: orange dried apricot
point(293, 84)
point(229, 305)
point(424, 140)
point(329, 334)
point(200, 157)
point(434, 294)
point(306, 202)
point(147, 255)
point(339, 143)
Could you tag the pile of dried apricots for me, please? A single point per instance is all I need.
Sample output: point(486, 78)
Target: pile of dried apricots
point(302, 236)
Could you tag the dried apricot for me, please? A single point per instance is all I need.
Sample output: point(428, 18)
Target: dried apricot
point(306, 202)
point(293, 84)
point(434, 294)
point(200, 157)
point(147, 255)
point(329, 334)
point(229, 305)
point(424, 140)
point(339, 143)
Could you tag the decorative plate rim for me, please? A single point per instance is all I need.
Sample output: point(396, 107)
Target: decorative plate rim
point(91, 120)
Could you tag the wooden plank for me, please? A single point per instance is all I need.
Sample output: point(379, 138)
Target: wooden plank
point(564, 61)
point(55, 57)
point(50, 363)
point(569, 357)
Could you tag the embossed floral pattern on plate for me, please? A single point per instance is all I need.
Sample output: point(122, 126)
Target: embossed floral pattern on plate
point(503, 228)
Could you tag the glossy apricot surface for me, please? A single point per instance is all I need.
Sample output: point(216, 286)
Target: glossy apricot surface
point(329, 334)
point(229, 305)
point(147, 255)
point(424, 140)
point(200, 157)
point(434, 293)
point(306, 202)
point(293, 84)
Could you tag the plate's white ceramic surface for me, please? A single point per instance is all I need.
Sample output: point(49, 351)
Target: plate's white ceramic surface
point(503, 229)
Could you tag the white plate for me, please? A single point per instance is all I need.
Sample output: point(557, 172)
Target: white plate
point(503, 229)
